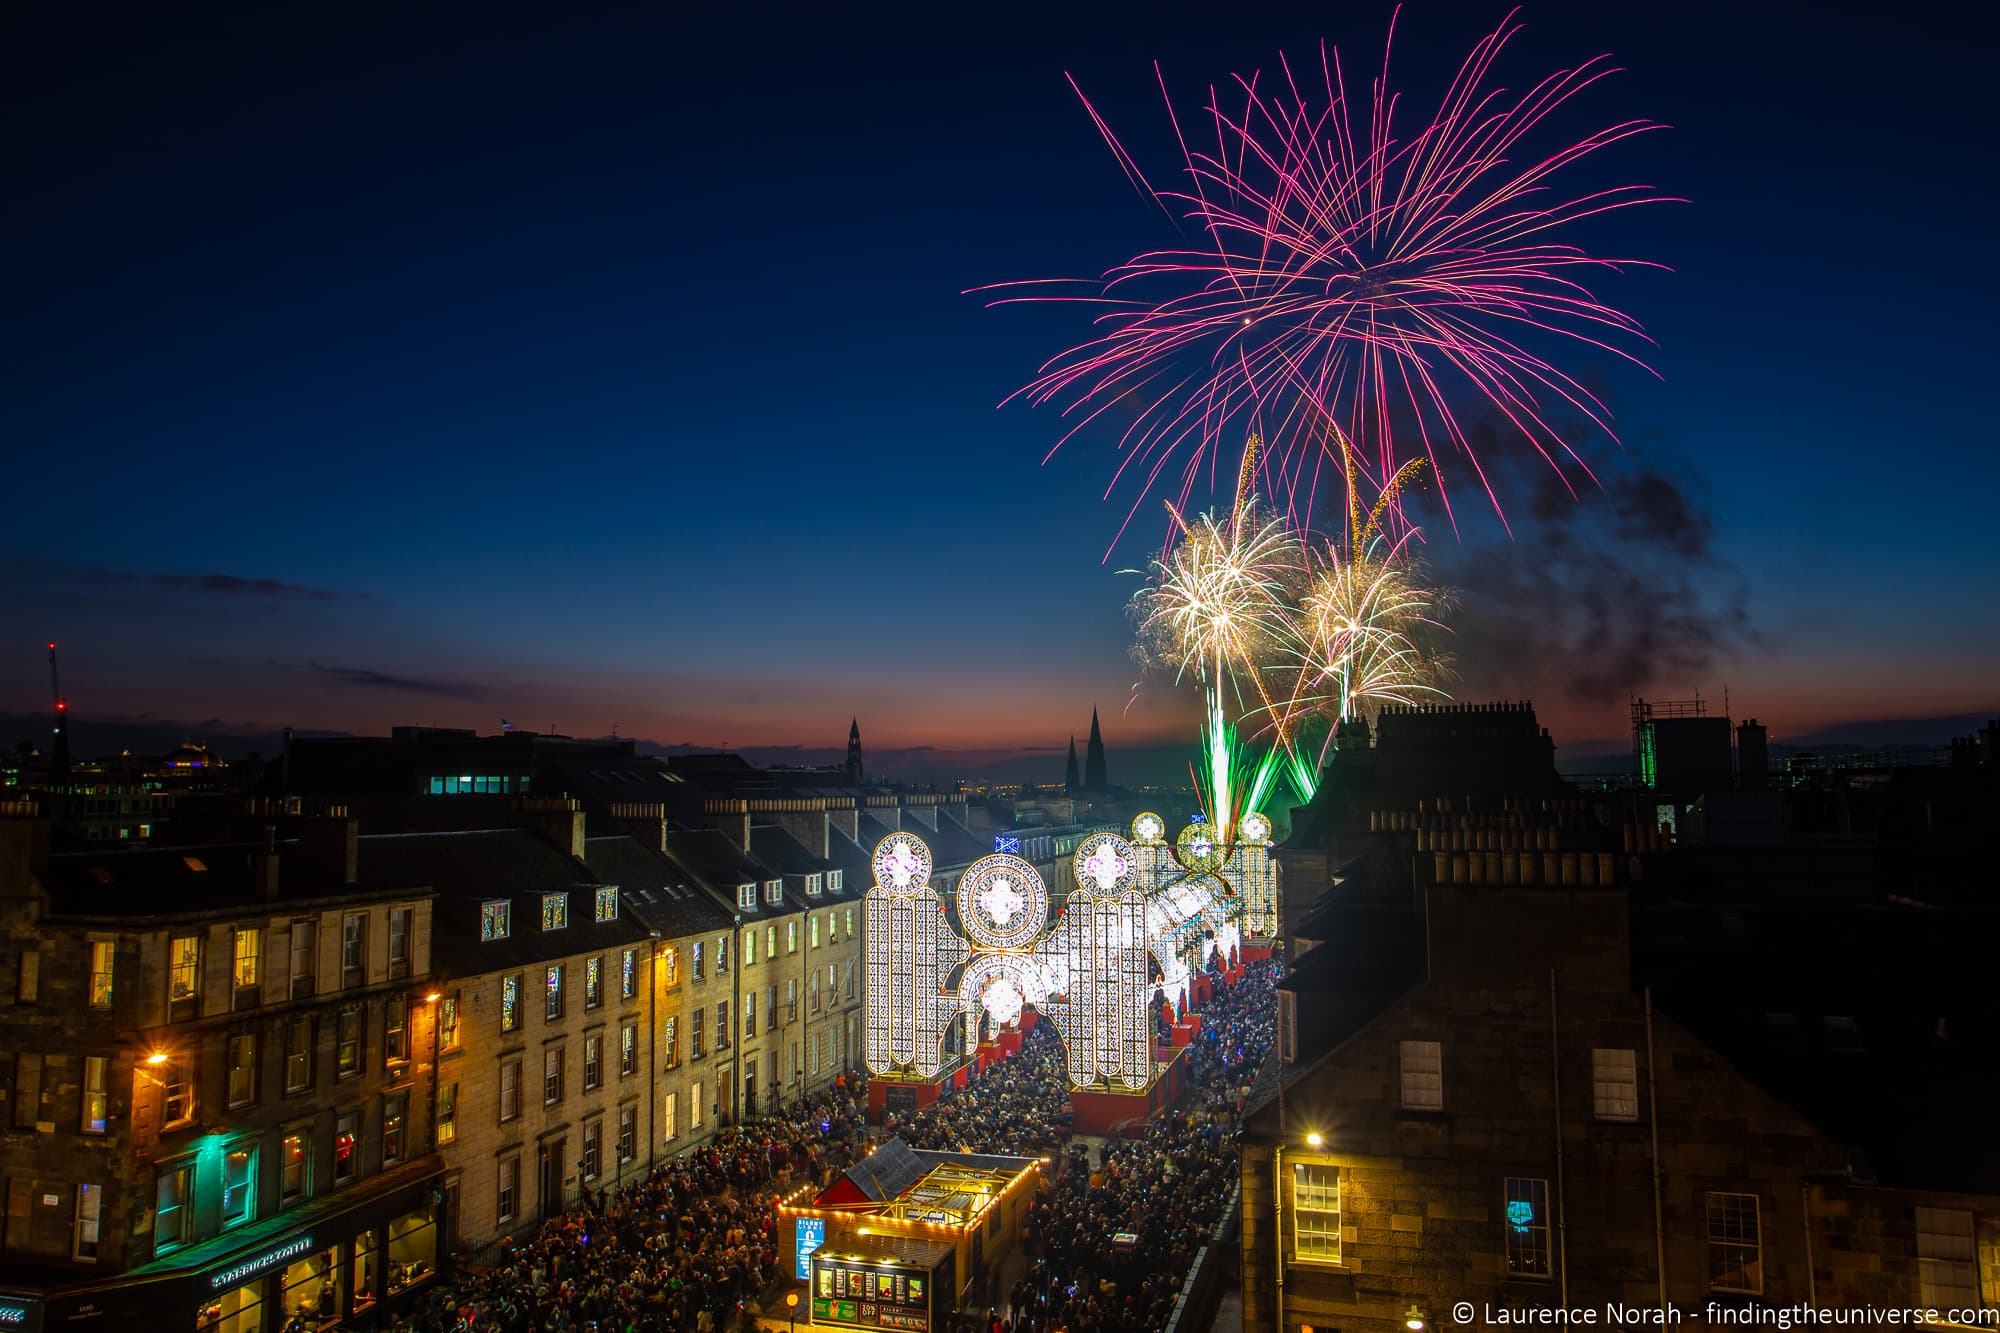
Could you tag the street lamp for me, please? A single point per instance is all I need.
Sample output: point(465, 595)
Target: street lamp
point(792, 1309)
point(1413, 1319)
point(1315, 1140)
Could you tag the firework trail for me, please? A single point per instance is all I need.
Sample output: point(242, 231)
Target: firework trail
point(1355, 280)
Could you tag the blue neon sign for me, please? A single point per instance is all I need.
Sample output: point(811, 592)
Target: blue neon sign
point(811, 1235)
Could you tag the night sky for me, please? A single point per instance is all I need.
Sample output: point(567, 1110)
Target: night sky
point(611, 369)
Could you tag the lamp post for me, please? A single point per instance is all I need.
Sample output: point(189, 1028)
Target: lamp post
point(792, 1310)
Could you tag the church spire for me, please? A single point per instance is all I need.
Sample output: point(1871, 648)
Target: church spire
point(854, 750)
point(1071, 779)
point(1093, 762)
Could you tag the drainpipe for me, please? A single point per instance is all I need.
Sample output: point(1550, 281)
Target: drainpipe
point(1278, 1224)
point(1555, 1083)
point(650, 1016)
point(1653, 1120)
point(1812, 1279)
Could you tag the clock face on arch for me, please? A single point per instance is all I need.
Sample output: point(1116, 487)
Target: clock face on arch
point(1002, 901)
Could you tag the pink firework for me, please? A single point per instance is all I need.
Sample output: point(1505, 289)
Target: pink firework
point(1356, 292)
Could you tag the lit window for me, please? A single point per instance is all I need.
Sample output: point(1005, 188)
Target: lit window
point(100, 973)
point(510, 1003)
point(668, 1115)
point(593, 1062)
point(176, 1093)
point(628, 1050)
point(89, 1216)
point(593, 1131)
point(746, 897)
point(494, 920)
point(628, 974)
point(607, 903)
point(1735, 1244)
point(1615, 1079)
point(1423, 1075)
point(593, 983)
point(749, 948)
point(184, 970)
point(552, 985)
point(248, 954)
point(1947, 1262)
point(792, 935)
point(448, 1022)
point(447, 1114)
point(555, 911)
point(96, 1093)
point(722, 954)
point(1525, 1214)
point(510, 1090)
point(812, 934)
point(346, 1147)
point(628, 1133)
point(671, 964)
point(696, 960)
point(171, 1219)
point(239, 1185)
point(1315, 1213)
point(670, 1040)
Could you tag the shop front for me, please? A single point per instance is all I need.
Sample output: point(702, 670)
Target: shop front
point(324, 1271)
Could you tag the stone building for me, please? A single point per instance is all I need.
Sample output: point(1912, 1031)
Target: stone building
point(544, 1085)
point(828, 963)
point(1512, 1075)
point(218, 1079)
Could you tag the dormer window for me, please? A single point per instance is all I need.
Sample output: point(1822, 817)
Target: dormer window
point(774, 891)
point(607, 903)
point(555, 911)
point(833, 878)
point(812, 886)
point(494, 920)
point(746, 897)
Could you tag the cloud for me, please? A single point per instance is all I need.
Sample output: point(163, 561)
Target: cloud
point(215, 584)
point(368, 678)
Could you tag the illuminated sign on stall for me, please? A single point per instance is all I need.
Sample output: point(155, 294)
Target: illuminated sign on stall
point(870, 1294)
point(249, 1268)
point(811, 1235)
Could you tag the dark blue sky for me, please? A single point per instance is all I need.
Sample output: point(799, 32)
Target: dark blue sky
point(613, 368)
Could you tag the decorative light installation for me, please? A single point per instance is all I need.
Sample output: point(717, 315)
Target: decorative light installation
point(1106, 1022)
point(1002, 902)
point(911, 951)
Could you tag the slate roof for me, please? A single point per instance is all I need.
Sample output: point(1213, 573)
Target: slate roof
point(657, 891)
point(714, 862)
point(471, 868)
point(208, 878)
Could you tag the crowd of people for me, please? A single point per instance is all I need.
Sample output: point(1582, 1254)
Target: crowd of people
point(690, 1246)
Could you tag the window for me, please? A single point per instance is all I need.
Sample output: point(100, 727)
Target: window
point(593, 1062)
point(510, 1090)
point(495, 920)
point(171, 1219)
point(749, 948)
point(1735, 1244)
point(294, 1169)
point(593, 982)
point(1315, 1213)
point(792, 935)
point(552, 987)
point(96, 1093)
point(298, 1053)
point(848, 927)
point(184, 974)
point(771, 941)
point(1947, 1262)
point(694, 1035)
point(89, 1212)
point(176, 1094)
point(628, 974)
point(27, 1089)
point(239, 1185)
point(242, 1061)
point(812, 933)
point(593, 1133)
point(448, 1022)
point(395, 1123)
point(399, 941)
point(669, 1114)
point(695, 1103)
point(447, 1114)
point(750, 1014)
point(694, 961)
point(101, 952)
point(722, 955)
point(246, 957)
point(552, 1075)
point(1614, 1076)
point(1423, 1075)
point(812, 1004)
point(353, 949)
point(722, 1026)
point(510, 1003)
point(347, 1043)
point(305, 957)
point(1525, 1210)
point(812, 886)
point(771, 1010)
point(628, 1050)
point(774, 891)
point(607, 903)
point(555, 911)
point(671, 963)
point(507, 1200)
point(346, 1147)
point(791, 999)
point(850, 981)
point(395, 1031)
point(746, 897)
point(670, 1039)
point(628, 1133)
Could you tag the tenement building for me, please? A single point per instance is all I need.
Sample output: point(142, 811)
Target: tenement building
point(1530, 1057)
point(217, 1081)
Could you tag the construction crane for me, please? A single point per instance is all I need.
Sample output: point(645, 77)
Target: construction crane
point(59, 759)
